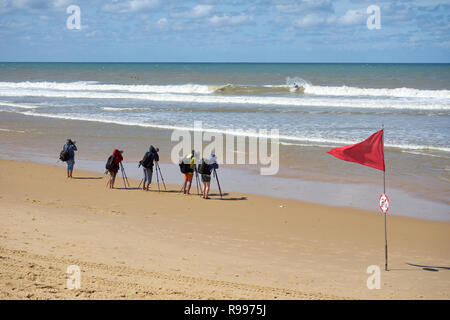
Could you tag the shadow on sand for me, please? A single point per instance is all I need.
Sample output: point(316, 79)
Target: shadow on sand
point(164, 191)
point(87, 178)
point(215, 195)
point(428, 268)
point(232, 198)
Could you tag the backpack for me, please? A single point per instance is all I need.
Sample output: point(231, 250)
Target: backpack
point(185, 167)
point(110, 163)
point(64, 155)
point(203, 168)
point(147, 160)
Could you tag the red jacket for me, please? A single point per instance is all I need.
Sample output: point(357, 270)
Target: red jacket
point(117, 159)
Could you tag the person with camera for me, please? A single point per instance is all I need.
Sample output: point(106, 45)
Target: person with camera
point(205, 169)
point(147, 165)
point(113, 166)
point(188, 167)
point(69, 148)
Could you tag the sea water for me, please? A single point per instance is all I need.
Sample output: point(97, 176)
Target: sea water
point(314, 106)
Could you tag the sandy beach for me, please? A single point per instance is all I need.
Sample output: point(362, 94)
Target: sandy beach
point(320, 130)
point(131, 244)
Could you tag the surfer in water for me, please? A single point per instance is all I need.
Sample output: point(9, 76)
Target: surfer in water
point(297, 88)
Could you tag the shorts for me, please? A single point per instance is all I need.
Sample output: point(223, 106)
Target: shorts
point(206, 177)
point(70, 164)
point(188, 177)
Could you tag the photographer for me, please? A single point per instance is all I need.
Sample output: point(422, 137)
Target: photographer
point(147, 164)
point(70, 149)
point(205, 169)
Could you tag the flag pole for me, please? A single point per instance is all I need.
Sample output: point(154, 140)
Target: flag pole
point(385, 230)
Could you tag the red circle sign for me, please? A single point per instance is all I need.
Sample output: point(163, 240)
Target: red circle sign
point(384, 203)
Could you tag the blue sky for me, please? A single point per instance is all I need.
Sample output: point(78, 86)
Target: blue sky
point(230, 31)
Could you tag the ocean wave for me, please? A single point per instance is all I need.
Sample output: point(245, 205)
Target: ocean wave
point(232, 89)
point(373, 92)
point(17, 105)
point(9, 130)
point(412, 151)
point(285, 101)
point(94, 86)
point(311, 141)
point(125, 109)
point(227, 109)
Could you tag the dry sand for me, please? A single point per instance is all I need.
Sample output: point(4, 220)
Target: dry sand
point(131, 244)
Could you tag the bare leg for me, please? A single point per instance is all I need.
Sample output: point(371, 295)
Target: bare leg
point(184, 186)
point(206, 192)
point(189, 183)
point(112, 180)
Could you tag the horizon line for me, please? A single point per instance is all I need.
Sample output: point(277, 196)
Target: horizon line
point(224, 62)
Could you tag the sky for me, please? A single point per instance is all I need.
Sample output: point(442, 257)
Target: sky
point(225, 31)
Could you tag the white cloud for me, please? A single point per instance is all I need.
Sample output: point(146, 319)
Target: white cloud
point(352, 17)
point(62, 3)
point(198, 11)
point(306, 6)
point(29, 4)
point(230, 20)
point(32, 5)
point(93, 33)
point(309, 20)
point(201, 10)
point(130, 6)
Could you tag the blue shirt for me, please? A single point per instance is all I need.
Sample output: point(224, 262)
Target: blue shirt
point(71, 148)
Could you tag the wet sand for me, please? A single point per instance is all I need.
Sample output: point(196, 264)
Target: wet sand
point(30, 137)
point(131, 244)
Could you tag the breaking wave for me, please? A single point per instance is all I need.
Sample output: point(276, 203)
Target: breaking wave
point(310, 141)
point(413, 104)
point(293, 86)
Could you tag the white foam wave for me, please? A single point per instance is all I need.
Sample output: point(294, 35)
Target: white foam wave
point(426, 154)
point(213, 99)
point(8, 130)
point(191, 88)
point(124, 109)
point(373, 92)
point(17, 105)
point(324, 142)
point(94, 86)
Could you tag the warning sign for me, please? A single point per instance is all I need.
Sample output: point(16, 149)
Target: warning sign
point(384, 203)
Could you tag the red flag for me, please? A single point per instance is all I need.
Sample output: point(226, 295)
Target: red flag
point(368, 153)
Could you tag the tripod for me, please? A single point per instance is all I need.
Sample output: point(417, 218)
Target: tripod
point(124, 176)
point(217, 179)
point(159, 174)
point(197, 182)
